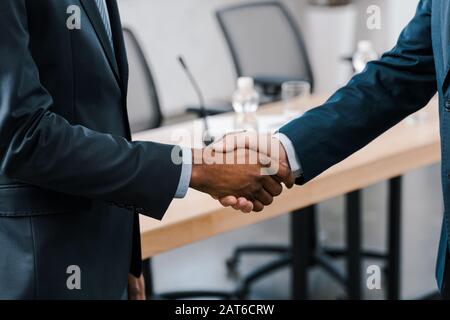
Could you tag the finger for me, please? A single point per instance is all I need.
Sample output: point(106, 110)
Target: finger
point(143, 295)
point(272, 186)
point(243, 139)
point(227, 143)
point(223, 147)
point(228, 201)
point(244, 205)
point(240, 204)
point(248, 208)
point(285, 175)
point(227, 135)
point(136, 288)
point(264, 144)
point(264, 197)
point(265, 161)
point(257, 206)
point(136, 295)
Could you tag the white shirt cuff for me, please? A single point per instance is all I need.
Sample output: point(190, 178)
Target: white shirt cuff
point(186, 172)
point(294, 161)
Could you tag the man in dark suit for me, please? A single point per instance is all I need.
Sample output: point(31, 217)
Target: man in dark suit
point(399, 84)
point(71, 182)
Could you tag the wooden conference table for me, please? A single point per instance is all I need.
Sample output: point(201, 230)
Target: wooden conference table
point(406, 147)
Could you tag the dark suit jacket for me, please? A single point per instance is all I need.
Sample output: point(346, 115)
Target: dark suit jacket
point(390, 89)
point(70, 178)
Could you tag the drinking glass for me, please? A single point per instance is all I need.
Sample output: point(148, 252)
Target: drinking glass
point(295, 95)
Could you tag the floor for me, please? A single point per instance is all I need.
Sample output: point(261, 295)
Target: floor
point(202, 265)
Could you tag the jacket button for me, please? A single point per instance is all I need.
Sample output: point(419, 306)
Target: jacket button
point(447, 105)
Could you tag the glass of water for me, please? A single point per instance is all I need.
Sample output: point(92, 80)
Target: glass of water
point(295, 95)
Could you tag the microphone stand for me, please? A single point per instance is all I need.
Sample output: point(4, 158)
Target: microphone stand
point(207, 138)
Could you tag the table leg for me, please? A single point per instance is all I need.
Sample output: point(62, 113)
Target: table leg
point(353, 235)
point(394, 238)
point(301, 251)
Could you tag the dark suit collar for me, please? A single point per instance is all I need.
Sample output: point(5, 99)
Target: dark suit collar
point(119, 44)
point(445, 38)
point(121, 55)
point(94, 16)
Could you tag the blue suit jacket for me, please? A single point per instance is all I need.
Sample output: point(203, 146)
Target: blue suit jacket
point(400, 83)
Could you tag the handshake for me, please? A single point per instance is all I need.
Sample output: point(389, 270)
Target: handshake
point(242, 170)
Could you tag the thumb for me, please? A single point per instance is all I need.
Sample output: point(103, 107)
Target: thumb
point(237, 140)
point(227, 143)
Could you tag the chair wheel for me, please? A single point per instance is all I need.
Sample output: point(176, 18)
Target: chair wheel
point(242, 293)
point(232, 270)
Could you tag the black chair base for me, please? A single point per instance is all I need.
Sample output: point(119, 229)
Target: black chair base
point(323, 257)
point(233, 262)
point(243, 289)
point(179, 295)
point(305, 253)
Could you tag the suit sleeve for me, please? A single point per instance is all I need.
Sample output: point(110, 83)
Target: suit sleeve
point(41, 148)
point(397, 85)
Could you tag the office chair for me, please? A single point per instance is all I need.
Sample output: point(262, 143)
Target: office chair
point(144, 110)
point(266, 44)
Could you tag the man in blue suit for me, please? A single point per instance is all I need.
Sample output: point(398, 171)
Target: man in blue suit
point(399, 84)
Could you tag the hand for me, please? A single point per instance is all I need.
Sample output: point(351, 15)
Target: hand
point(239, 173)
point(136, 288)
point(263, 143)
point(266, 144)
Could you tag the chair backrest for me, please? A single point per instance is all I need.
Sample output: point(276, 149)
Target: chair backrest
point(144, 110)
point(265, 42)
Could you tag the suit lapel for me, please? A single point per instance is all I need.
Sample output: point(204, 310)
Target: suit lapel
point(445, 37)
point(96, 20)
point(119, 44)
point(121, 55)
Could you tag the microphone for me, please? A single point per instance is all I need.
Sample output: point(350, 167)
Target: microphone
point(207, 139)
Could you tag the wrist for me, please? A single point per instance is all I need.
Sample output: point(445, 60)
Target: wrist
point(198, 169)
point(282, 156)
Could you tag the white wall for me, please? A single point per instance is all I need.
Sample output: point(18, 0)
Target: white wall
point(399, 14)
point(168, 28)
point(330, 36)
point(395, 16)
